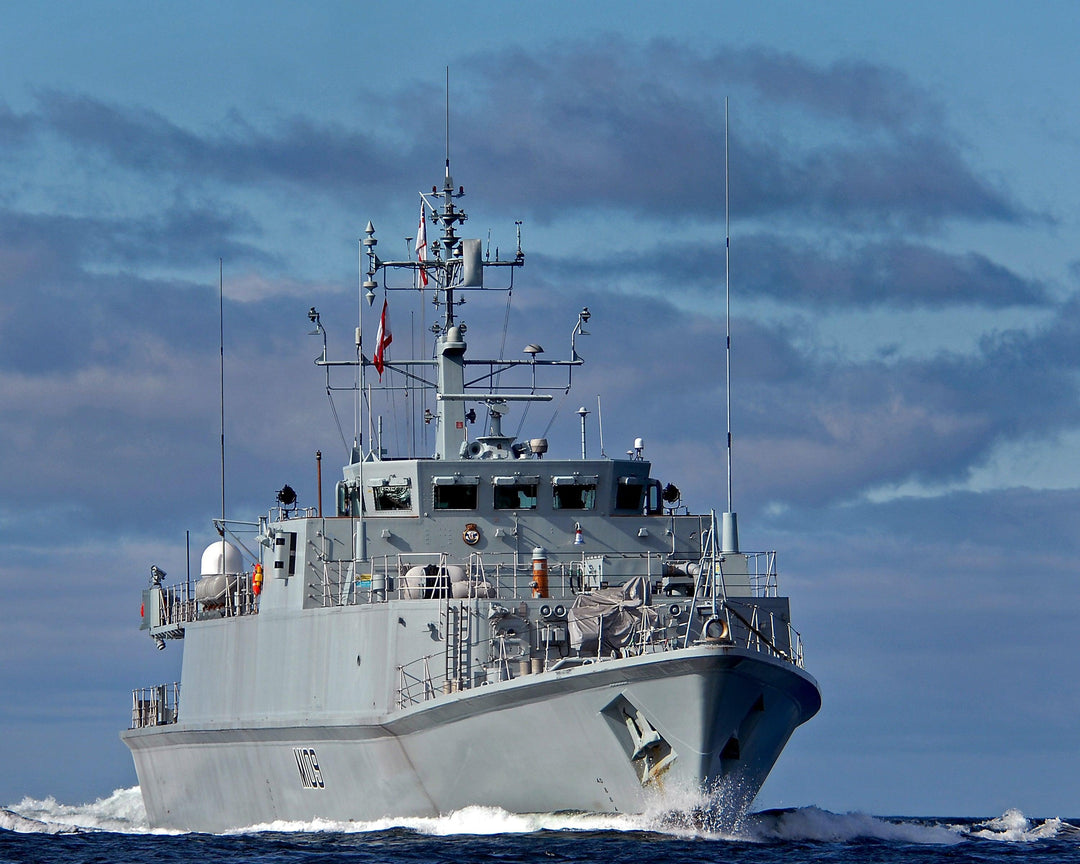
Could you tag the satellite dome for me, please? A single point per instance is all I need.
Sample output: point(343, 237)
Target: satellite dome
point(212, 563)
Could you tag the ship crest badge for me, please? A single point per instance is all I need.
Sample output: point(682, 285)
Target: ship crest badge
point(471, 534)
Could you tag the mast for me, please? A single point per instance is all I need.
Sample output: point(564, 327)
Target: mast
point(448, 217)
point(455, 264)
point(450, 351)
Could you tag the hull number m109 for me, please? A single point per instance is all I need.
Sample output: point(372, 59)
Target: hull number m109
point(307, 763)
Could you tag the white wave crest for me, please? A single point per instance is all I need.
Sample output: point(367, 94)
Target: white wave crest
point(803, 824)
point(681, 812)
point(11, 821)
point(121, 812)
point(1013, 826)
point(689, 815)
point(469, 820)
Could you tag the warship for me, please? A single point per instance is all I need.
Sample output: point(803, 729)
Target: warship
point(483, 622)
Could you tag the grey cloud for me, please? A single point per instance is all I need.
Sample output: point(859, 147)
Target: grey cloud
point(1008, 524)
point(1033, 361)
point(129, 437)
point(182, 234)
point(914, 182)
point(47, 247)
point(893, 274)
point(296, 151)
point(59, 292)
point(602, 125)
point(642, 129)
point(15, 130)
point(854, 90)
point(839, 430)
point(552, 129)
point(813, 428)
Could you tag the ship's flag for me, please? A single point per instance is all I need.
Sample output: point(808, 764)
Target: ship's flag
point(421, 244)
point(382, 339)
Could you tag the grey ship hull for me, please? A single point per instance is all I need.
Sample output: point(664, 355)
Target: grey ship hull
point(551, 741)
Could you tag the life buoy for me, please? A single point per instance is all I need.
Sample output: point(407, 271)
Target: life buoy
point(257, 580)
point(716, 630)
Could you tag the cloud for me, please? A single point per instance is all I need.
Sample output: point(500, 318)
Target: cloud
point(1002, 531)
point(50, 248)
point(595, 124)
point(14, 128)
point(857, 91)
point(109, 386)
point(812, 427)
point(296, 151)
point(839, 428)
point(570, 131)
point(641, 129)
point(183, 233)
point(893, 274)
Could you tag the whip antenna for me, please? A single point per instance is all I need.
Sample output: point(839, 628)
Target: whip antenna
point(221, 366)
point(731, 526)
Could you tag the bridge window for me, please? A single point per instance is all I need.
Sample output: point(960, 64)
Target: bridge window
point(574, 493)
point(455, 493)
point(391, 497)
point(516, 493)
point(628, 493)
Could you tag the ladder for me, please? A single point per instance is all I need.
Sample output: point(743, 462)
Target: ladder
point(458, 645)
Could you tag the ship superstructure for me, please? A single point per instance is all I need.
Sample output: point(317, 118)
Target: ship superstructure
point(488, 624)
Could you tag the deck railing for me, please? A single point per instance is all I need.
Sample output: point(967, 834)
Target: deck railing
point(747, 626)
point(179, 604)
point(155, 706)
point(506, 576)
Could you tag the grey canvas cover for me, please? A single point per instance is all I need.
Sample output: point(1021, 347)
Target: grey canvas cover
point(608, 620)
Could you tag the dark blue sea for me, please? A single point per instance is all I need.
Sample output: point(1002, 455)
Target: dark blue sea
point(114, 829)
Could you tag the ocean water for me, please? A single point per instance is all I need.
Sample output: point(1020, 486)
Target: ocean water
point(115, 829)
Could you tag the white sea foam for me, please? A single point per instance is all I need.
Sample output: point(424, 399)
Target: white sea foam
point(11, 821)
point(121, 812)
point(468, 820)
point(1012, 826)
point(691, 815)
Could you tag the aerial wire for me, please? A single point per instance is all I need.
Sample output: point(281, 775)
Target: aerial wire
point(221, 369)
point(727, 299)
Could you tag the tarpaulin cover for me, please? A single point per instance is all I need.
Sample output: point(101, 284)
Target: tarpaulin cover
point(609, 619)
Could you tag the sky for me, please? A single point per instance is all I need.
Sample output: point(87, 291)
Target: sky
point(905, 277)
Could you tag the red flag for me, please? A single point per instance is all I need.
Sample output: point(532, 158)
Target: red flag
point(382, 340)
point(421, 244)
